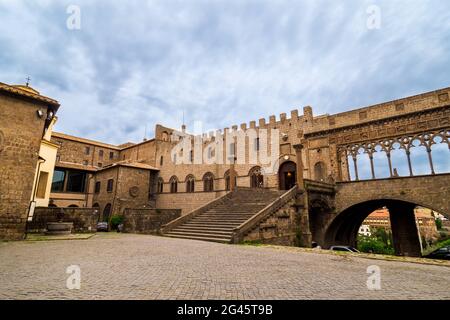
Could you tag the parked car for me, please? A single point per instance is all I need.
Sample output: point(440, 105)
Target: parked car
point(442, 253)
point(343, 248)
point(102, 226)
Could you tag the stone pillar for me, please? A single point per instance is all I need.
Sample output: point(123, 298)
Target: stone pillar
point(300, 180)
point(232, 175)
point(404, 231)
point(302, 204)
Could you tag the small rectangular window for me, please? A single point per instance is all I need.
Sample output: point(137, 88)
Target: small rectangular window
point(97, 187)
point(161, 161)
point(87, 150)
point(110, 185)
point(111, 155)
point(257, 144)
point(100, 153)
point(42, 185)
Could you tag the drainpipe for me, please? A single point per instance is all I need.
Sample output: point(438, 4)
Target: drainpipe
point(33, 198)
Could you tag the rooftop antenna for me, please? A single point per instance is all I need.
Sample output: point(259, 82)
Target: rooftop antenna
point(145, 133)
point(183, 126)
point(28, 81)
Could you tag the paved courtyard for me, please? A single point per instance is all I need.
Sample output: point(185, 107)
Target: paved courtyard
point(116, 266)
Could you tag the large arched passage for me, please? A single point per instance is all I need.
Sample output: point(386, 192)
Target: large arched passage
point(287, 175)
point(343, 230)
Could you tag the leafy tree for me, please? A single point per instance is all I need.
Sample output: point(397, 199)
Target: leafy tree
point(115, 221)
point(438, 224)
point(379, 242)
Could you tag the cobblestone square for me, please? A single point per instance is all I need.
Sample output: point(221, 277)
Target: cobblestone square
point(123, 266)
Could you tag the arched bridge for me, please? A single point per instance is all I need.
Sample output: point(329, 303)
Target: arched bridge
point(336, 218)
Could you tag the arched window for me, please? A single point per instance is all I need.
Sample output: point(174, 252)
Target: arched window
point(165, 136)
point(160, 185)
point(256, 177)
point(73, 206)
point(96, 205)
point(174, 184)
point(227, 180)
point(107, 212)
point(320, 171)
point(208, 182)
point(190, 183)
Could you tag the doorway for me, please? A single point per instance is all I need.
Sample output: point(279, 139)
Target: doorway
point(287, 175)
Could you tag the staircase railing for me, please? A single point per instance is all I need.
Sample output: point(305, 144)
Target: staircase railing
point(239, 232)
point(179, 221)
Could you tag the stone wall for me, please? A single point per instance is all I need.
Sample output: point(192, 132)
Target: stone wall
point(187, 202)
point(280, 228)
point(130, 189)
point(431, 192)
point(73, 150)
point(84, 219)
point(148, 221)
point(21, 132)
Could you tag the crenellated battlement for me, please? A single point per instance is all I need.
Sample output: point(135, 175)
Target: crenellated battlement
point(272, 120)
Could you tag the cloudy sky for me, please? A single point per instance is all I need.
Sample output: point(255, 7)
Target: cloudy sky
point(137, 63)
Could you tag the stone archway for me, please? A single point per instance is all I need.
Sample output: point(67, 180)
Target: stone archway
point(256, 177)
point(287, 175)
point(344, 228)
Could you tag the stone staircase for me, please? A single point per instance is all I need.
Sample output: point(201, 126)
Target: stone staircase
point(217, 222)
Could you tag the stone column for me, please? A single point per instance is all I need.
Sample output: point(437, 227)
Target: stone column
point(404, 230)
point(300, 180)
point(301, 203)
point(232, 175)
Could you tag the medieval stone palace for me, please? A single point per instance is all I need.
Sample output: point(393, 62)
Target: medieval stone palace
point(325, 173)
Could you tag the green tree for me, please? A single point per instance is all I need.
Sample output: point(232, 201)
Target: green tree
point(115, 221)
point(438, 224)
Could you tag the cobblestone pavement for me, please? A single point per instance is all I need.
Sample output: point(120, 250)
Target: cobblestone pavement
point(115, 266)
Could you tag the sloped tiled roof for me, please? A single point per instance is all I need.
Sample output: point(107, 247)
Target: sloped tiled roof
point(17, 90)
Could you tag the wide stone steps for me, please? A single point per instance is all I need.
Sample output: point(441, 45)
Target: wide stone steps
point(203, 228)
point(199, 237)
point(218, 223)
point(212, 225)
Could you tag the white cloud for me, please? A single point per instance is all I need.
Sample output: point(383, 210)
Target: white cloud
point(223, 62)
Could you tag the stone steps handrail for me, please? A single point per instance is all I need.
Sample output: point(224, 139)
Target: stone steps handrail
point(179, 221)
point(239, 232)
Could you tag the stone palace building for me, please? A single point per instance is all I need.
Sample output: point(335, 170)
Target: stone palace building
point(326, 149)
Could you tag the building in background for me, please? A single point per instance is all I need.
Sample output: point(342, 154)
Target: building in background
point(26, 117)
point(425, 220)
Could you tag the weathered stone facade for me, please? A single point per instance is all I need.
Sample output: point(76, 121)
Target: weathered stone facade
point(328, 146)
point(24, 115)
point(129, 188)
point(280, 228)
point(84, 219)
point(148, 221)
